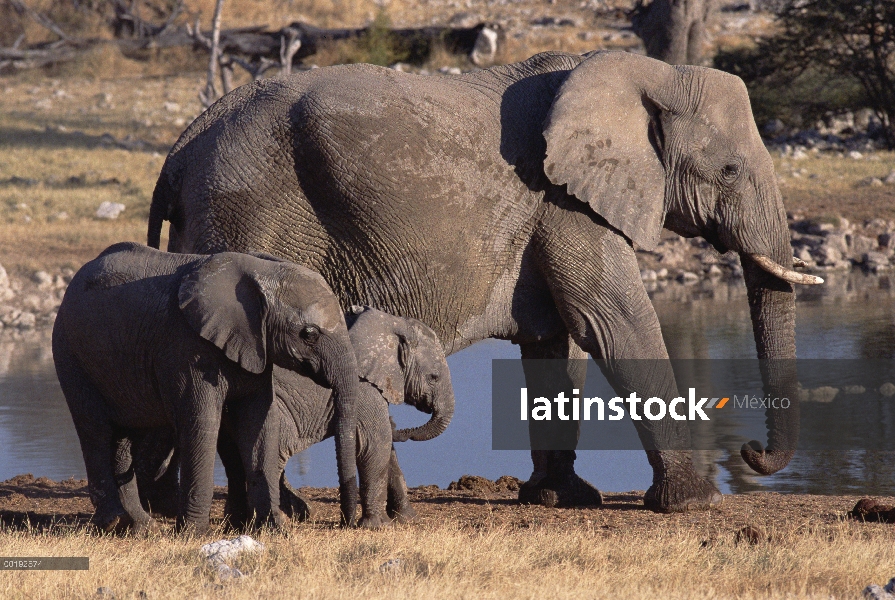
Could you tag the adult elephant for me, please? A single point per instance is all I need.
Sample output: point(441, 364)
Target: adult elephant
point(504, 203)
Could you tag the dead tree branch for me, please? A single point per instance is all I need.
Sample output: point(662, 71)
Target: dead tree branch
point(43, 21)
point(210, 94)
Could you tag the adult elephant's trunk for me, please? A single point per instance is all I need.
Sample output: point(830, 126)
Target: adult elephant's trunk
point(772, 306)
point(442, 411)
point(341, 373)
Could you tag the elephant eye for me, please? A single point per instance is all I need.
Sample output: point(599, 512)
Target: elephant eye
point(433, 377)
point(310, 334)
point(730, 171)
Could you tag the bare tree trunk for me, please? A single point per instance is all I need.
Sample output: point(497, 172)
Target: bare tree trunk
point(673, 30)
point(210, 94)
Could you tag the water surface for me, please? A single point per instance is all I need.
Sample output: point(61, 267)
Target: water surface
point(853, 316)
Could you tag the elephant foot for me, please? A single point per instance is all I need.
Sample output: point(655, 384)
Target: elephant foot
point(402, 514)
point(189, 528)
point(566, 490)
point(293, 505)
point(676, 485)
point(276, 519)
point(112, 521)
point(146, 527)
point(375, 521)
point(236, 517)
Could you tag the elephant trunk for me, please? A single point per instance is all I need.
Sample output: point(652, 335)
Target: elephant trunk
point(442, 412)
point(772, 308)
point(341, 374)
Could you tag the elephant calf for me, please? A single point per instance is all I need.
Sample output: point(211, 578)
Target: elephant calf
point(147, 341)
point(399, 360)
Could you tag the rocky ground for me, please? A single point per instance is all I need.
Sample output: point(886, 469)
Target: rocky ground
point(825, 245)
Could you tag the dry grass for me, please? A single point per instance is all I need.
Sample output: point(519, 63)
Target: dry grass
point(450, 561)
point(829, 185)
point(61, 140)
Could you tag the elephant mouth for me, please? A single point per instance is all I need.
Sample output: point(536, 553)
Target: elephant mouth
point(788, 275)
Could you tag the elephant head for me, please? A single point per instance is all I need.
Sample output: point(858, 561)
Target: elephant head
point(648, 145)
point(404, 360)
point(262, 312)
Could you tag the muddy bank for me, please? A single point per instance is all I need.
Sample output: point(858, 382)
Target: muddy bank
point(475, 502)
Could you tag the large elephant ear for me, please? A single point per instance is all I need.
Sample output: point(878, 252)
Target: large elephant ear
point(603, 136)
point(381, 346)
point(223, 301)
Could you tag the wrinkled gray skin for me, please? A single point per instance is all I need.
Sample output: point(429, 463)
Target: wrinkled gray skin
point(146, 340)
point(503, 203)
point(399, 361)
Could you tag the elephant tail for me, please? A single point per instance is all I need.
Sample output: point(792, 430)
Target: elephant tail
point(159, 210)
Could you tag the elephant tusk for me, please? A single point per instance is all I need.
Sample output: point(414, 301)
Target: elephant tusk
point(776, 270)
point(798, 263)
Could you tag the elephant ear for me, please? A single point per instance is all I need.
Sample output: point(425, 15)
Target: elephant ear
point(223, 301)
point(382, 347)
point(603, 136)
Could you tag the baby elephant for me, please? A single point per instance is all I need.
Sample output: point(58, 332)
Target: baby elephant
point(399, 360)
point(149, 341)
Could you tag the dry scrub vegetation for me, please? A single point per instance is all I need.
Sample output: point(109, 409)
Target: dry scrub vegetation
point(452, 561)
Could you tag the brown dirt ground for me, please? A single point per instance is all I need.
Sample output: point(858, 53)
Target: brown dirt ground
point(40, 504)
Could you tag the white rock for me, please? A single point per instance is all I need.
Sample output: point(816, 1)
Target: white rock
point(25, 320)
point(821, 394)
point(799, 154)
point(875, 592)
point(171, 106)
point(890, 178)
point(871, 182)
point(854, 389)
point(485, 47)
point(662, 273)
point(648, 275)
point(855, 155)
point(714, 272)
point(5, 290)
point(42, 279)
point(688, 277)
point(109, 210)
point(887, 390)
point(223, 551)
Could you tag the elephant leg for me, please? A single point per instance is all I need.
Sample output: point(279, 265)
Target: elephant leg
point(156, 467)
point(258, 441)
point(95, 432)
point(374, 441)
point(236, 508)
point(553, 481)
point(397, 505)
point(198, 417)
point(291, 503)
point(608, 313)
point(128, 493)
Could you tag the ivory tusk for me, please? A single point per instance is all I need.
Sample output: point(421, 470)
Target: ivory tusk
point(798, 263)
point(776, 270)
